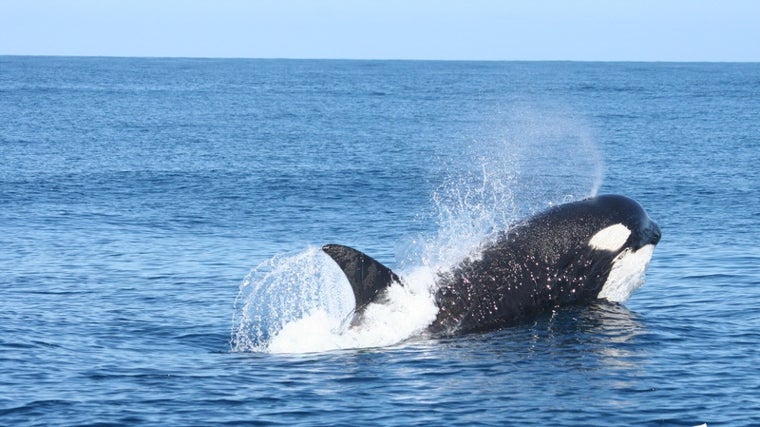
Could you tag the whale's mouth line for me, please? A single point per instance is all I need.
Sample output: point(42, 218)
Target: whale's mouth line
point(651, 235)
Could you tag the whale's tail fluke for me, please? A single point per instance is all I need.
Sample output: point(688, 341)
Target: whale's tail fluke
point(367, 277)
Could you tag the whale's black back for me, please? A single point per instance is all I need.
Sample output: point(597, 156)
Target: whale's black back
point(537, 265)
point(545, 262)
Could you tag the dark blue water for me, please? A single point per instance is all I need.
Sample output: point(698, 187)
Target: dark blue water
point(136, 196)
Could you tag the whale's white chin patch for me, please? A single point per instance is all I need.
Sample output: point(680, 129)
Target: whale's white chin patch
point(627, 274)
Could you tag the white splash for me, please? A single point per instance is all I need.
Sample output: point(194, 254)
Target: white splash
point(303, 303)
point(553, 153)
point(526, 159)
point(283, 290)
point(402, 314)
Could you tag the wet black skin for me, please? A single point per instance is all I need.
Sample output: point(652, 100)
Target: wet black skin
point(537, 265)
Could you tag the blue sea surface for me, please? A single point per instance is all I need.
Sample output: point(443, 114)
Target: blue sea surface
point(142, 199)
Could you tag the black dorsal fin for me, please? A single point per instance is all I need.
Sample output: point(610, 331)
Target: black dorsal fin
point(366, 276)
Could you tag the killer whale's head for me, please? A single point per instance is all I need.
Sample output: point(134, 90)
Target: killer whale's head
point(632, 241)
point(628, 227)
point(610, 235)
point(609, 223)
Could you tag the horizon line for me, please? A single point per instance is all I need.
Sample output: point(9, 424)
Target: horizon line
point(287, 58)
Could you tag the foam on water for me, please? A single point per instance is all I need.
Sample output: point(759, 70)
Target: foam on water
point(287, 289)
point(404, 313)
point(303, 302)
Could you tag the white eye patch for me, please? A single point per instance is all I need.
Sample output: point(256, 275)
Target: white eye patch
point(611, 238)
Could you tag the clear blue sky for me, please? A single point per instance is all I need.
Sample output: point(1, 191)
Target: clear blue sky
point(604, 30)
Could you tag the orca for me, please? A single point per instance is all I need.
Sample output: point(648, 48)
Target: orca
point(571, 254)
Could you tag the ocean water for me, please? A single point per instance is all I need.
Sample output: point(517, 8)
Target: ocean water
point(160, 221)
